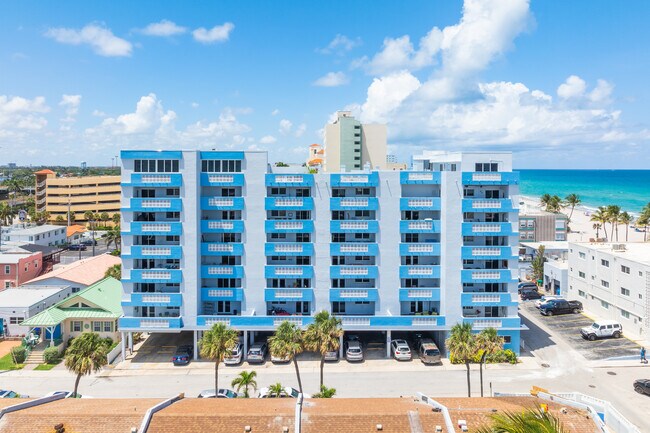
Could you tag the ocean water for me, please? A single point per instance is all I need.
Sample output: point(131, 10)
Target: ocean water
point(629, 189)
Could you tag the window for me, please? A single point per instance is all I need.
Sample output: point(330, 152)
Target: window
point(97, 326)
point(625, 292)
point(108, 326)
point(581, 274)
point(75, 326)
point(604, 283)
point(155, 166)
point(625, 269)
point(7, 269)
point(582, 294)
point(468, 193)
point(604, 304)
point(15, 320)
point(625, 314)
point(487, 166)
point(173, 192)
point(221, 166)
point(582, 255)
point(338, 307)
point(604, 262)
point(507, 339)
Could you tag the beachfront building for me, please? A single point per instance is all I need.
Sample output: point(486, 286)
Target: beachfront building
point(224, 237)
point(46, 234)
point(78, 194)
point(542, 226)
point(612, 280)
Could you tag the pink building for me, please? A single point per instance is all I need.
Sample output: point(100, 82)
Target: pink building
point(17, 268)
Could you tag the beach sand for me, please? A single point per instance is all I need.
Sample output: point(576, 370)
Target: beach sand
point(581, 227)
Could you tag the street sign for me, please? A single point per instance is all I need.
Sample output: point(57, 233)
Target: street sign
point(22, 215)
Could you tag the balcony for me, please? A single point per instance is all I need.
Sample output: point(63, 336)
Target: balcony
point(419, 294)
point(419, 178)
point(222, 294)
point(421, 271)
point(354, 179)
point(353, 272)
point(252, 322)
point(222, 226)
point(289, 226)
point(489, 205)
point(222, 179)
point(488, 299)
point(155, 180)
point(289, 180)
point(152, 276)
point(488, 276)
point(489, 253)
point(288, 203)
point(210, 271)
point(288, 249)
point(479, 323)
point(354, 249)
point(152, 252)
point(419, 249)
point(153, 228)
point(288, 271)
point(345, 226)
point(153, 300)
point(222, 203)
point(489, 229)
point(409, 323)
point(154, 205)
point(292, 295)
point(423, 226)
point(152, 324)
point(354, 203)
point(419, 203)
point(354, 295)
point(491, 178)
point(222, 249)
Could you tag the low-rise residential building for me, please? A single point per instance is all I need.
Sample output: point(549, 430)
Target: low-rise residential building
point(612, 280)
point(74, 233)
point(20, 303)
point(543, 226)
point(553, 251)
point(79, 274)
point(556, 277)
point(34, 234)
point(18, 268)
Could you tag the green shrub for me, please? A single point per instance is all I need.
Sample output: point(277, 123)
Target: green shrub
point(51, 355)
point(502, 356)
point(19, 354)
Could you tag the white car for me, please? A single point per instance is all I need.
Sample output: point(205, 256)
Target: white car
point(223, 393)
point(257, 353)
point(354, 352)
point(332, 355)
point(400, 350)
point(236, 355)
point(545, 299)
point(287, 391)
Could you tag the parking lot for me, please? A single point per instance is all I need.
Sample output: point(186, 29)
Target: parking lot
point(568, 326)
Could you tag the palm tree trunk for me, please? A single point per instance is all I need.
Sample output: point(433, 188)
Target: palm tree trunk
point(469, 385)
point(615, 225)
point(216, 378)
point(480, 366)
point(76, 385)
point(295, 364)
point(322, 365)
point(605, 229)
point(627, 230)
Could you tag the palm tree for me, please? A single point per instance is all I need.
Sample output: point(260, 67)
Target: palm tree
point(114, 271)
point(113, 236)
point(488, 341)
point(544, 200)
point(600, 217)
point(597, 227)
point(462, 346)
point(325, 392)
point(116, 218)
point(86, 355)
point(276, 390)
point(246, 379)
point(613, 212)
point(644, 220)
point(625, 219)
point(288, 341)
point(528, 421)
point(323, 336)
point(6, 214)
point(14, 185)
point(555, 204)
point(215, 344)
point(572, 200)
point(104, 217)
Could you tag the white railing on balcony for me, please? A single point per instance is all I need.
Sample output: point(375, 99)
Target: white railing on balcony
point(41, 201)
point(486, 228)
point(277, 321)
point(420, 176)
point(419, 202)
point(149, 178)
point(424, 321)
point(156, 275)
point(214, 320)
point(221, 225)
point(420, 225)
point(288, 294)
point(150, 251)
point(486, 251)
point(220, 293)
point(478, 177)
point(486, 275)
point(289, 179)
point(353, 293)
point(354, 179)
point(354, 225)
point(484, 204)
point(213, 201)
point(154, 323)
point(223, 248)
point(221, 271)
point(40, 184)
point(486, 298)
point(219, 178)
point(156, 203)
point(289, 202)
point(420, 271)
point(420, 293)
point(288, 225)
point(354, 248)
point(156, 227)
point(288, 271)
point(486, 323)
point(420, 248)
point(357, 270)
point(41, 192)
point(288, 248)
point(156, 298)
point(355, 321)
point(360, 202)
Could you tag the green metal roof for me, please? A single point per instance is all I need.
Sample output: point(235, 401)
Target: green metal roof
point(106, 295)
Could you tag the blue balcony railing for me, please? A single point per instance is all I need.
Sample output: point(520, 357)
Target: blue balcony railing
point(289, 180)
point(153, 228)
point(410, 323)
point(222, 226)
point(155, 180)
point(489, 253)
point(354, 249)
point(149, 323)
point(419, 294)
point(252, 322)
point(479, 323)
point(222, 294)
point(419, 271)
point(487, 276)
point(289, 226)
point(420, 226)
point(489, 229)
point(419, 177)
point(354, 295)
point(288, 203)
point(222, 203)
point(289, 249)
point(288, 271)
point(491, 178)
point(152, 252)
point(419, 203)
point(222, 179)
point(153, 300)
point(354, 203)
point(354, 271)
point(354, 179)
point(154, 205)
point(490, 299)
point(279, 295)
point(153, 276)
point(489, 205)
point(210, 271)
point(222, 249)
point(419, 249)
point(355, 226)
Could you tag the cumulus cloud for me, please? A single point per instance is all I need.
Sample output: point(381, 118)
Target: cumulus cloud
point(285, 126)
point(163, 28)
point(18, 113)
point(99, 38)
point(215, 34)
point(340, 45)
point(332, 79)
point(268, 139)
point(275, 112)
point(573, 87)
point(300, 130)
point(71, 104)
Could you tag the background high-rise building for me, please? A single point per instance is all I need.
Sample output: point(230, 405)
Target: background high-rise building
point(351, 145)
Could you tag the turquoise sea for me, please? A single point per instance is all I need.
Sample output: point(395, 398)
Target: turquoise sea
point(629, 189)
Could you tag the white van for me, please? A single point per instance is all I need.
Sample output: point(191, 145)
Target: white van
point(602, 329)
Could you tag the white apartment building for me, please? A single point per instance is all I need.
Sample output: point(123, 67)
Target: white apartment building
point(613, 282)
point(47, 235)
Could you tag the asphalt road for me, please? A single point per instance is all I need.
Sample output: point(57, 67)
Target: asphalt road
point(68, 256)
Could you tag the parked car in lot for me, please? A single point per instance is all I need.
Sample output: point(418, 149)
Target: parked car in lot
point(526, 286)
point(287, 392)
point(354, 351)
point(332, 355)
point(602, 329)
point(89, 242)
point(183, 355)
point(77, 247)
point(560, 306)
point(236, 355)
point(257, 353)
point(223, 393)
point(428, 351)
point(642, 386)
point(9, 394)
point(530, 294)
point(546, 298)
point(400, 350)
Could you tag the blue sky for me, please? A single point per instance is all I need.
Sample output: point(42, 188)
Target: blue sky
point(561, 84)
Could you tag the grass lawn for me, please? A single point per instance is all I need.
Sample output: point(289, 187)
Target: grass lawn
point(7, 363)
point(45, 367)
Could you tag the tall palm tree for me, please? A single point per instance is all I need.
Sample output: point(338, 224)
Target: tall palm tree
point(613, 212)
point(528, 421)
point(597, 227)
point(116, 218)
point(215, 344)
point(6, 214)
point(488, 341)
point(86, 355)
point(544, 200)
point(572, 200)
point(288, 341)
point(113, 236)
point(644, 220)
point(600, 217)
point(323, 336)
point(246, 379)
point(461, 345)
point(16, 186)
point(625, 219)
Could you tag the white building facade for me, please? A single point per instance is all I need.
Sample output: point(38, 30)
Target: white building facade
point(46, 235)
point(218, 237)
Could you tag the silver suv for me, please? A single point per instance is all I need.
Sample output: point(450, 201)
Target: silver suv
point(354, 351)
point(235, 356)
point(602, 329)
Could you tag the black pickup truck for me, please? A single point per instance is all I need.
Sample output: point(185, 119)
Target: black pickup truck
point(560, 306)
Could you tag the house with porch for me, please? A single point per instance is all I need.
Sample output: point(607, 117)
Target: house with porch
point(93, 309)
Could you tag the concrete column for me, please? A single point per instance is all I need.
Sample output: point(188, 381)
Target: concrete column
point(196, 345)
point(341, 347)
point(123, 344)
point(252, 337)
point(131, 342)
point(245, 345)
point(388, 340)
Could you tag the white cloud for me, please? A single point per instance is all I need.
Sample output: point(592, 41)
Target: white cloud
point(573, 87)
point(194, 105)
point(98, 113)
point(145, 118)
point(215, 34)
point(340, 45)
point(285, 126)
point(601, 92)
point(268, 139)
point(275, 112)
point(300, 130)
point(18, 113)
point(71, 104)
point(386, 94)
point(163, 28)
point(101, 39)
point(332, 79)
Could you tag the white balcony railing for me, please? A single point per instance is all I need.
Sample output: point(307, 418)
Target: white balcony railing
point(214, 320)
point(486, 228)
point(419, 202)
point(424, 321)
point(354, 225)
point(288, 294)
point(479, 177)
point(213, 293)
point(353, 293)
point(288, 248)
point(288, 271)
point(288, 225)
point(213, 201)
point(221, 225)
point(156, 275)
point(354, 179)
point(156, 203)
point(289, 202)
point(486, 251)
point(420, 225)
point(355, 321)
point(420, 176)
point(356, 270)
point(220, 248)
point(165, 299)
point(150, 251)
point(289, 179)
point(221, 271)
point(156, 178)
point(277, 321)
point(486, 323)
point(413, 293)
point(486, 275)
point(354, 202)
point(484, 204)
point(354, 248)
point(420, 248)
point(156, 228)
point(420, 271)
point(486, 298)
point(221, 178)
point(154, 323)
